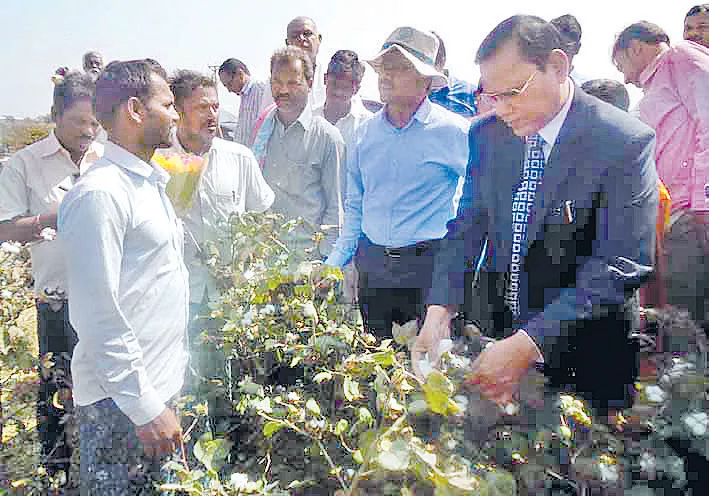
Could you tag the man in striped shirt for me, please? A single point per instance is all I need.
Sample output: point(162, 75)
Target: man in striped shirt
point(255, 97)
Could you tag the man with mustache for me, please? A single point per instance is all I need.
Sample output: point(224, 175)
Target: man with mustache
point(696, 25)
point(300, 152)
point(32, 185)
point(564, 188)
point(231, 183)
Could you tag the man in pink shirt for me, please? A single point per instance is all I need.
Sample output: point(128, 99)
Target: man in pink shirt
point(675, 84)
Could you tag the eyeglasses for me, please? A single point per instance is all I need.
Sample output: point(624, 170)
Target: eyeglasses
point(511, 93)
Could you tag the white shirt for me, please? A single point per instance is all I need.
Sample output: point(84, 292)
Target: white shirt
point(128, 285)
point(349, 124)
point(34, 181)
point(232, 183)
point(317, 93)
point(552, 128)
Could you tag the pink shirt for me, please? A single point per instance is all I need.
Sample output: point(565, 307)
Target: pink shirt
point(676, 105)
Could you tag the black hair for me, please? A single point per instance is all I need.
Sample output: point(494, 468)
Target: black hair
point(184, 82)
point(292, 53)
point(346, 60)
point(643, 31)
point(608, 90)
point(232, 66)
point(697, 10)
point(570, 31)
point(536, 39)
point(69, 88)
point(122, 80)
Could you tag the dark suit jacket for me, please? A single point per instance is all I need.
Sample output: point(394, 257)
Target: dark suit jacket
point(580, 274)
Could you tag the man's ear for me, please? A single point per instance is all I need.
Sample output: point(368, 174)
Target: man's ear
point(310, 83)
point(559, 63)
point(136, 110)
point(287, 44)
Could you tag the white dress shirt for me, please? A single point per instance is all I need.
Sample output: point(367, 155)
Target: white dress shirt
point(349, 124)
point(232, 183)
point(128, 285)
point(34, 181)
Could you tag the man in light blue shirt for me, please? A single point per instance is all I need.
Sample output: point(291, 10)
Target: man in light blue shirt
point(402, 178)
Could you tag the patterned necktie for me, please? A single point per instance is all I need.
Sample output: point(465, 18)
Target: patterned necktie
point(522, 212)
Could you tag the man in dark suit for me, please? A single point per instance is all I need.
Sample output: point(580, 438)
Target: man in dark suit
point(564, 187)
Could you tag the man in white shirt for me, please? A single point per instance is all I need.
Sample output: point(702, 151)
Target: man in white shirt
point(231, 183)
point(255, 97)
point(129, 288)
point(32, 184)
point(342, 106)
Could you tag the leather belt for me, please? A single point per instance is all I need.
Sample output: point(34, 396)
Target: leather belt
point(417, 250)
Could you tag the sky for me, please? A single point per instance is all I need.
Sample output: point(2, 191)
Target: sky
point(40, 35)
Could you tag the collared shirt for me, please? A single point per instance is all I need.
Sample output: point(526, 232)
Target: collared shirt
point(34, 182)
point(302, 166)
point(128, 284)
point(318, 93)
point(402, 184)
point(552, 128)
point(232, 183)
point(675, 95)
point(458, 97)
point(255, 97)
point(350, 123)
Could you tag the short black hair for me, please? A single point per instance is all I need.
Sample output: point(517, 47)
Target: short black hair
point(643, 31)
point(697, 10)
point(608, 90)
point(570, 31)
point(184, 82)
point(122, 80)
point(292, 53)
point(70, 88)
point(535, 38)
point(346, 60)
point(232, 66)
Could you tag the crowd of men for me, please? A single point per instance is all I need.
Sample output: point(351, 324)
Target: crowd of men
point(536, 183)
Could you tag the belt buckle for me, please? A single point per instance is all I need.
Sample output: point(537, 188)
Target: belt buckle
point(392, 253)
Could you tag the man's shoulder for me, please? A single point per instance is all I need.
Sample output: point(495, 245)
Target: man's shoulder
point(607, 123)
point(231, 147)
point(32, 152)
point(691, 53)
point(441, 116)
point(326, 130)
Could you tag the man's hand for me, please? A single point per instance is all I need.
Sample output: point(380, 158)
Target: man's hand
point(162, 435)
point(436, 326)
point(499, 369)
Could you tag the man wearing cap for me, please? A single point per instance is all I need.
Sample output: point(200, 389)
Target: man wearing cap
point(565, 189)
point(402, 177)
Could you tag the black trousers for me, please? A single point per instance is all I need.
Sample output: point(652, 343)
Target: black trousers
point(393, 284)
point(56, 336)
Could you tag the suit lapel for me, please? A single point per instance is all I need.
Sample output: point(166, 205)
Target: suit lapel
point(556, 168)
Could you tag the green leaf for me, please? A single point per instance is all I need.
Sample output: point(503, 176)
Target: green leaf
point(438, 390)
point(212, 453)
point(322, 377)
point(296, 360)
point(312, 406)
point(351, 389)
point(341, 427)
point(357, 456)
point(365, 416)
point(271, 427)
point(384, 358)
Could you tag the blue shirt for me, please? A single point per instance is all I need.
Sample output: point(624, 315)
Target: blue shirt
point(458, 97)
point(402, 184)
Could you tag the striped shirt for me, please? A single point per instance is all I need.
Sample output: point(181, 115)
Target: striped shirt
point(255, 97)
